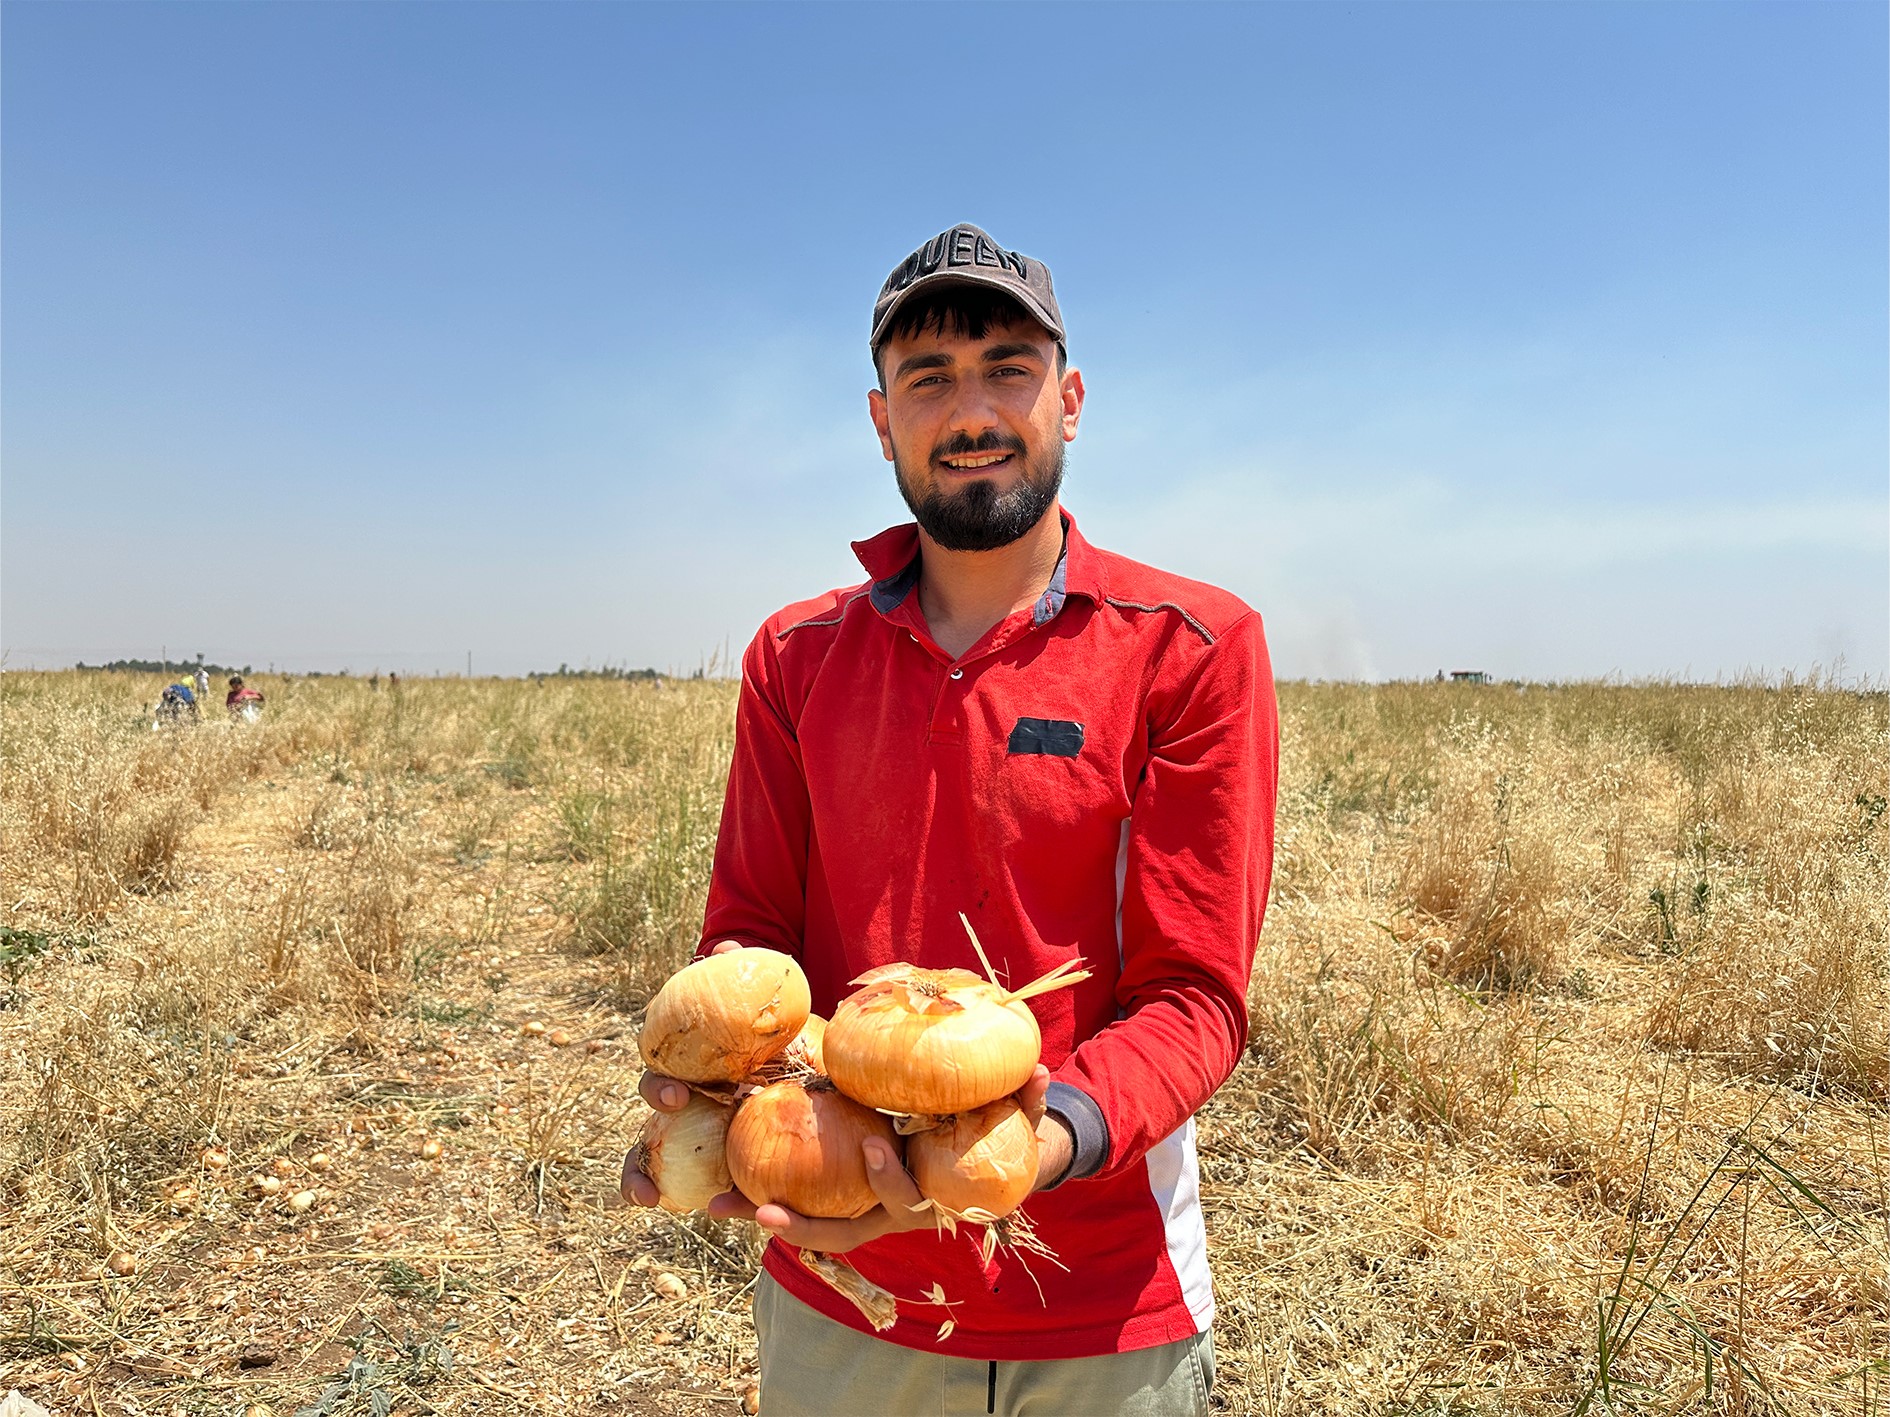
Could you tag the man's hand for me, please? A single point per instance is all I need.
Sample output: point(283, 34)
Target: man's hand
point(1056, 1147)
point(898, 1193)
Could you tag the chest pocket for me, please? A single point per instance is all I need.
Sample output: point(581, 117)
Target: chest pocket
point(1052, 737)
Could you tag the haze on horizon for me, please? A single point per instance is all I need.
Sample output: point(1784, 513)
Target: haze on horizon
point(1544, 340)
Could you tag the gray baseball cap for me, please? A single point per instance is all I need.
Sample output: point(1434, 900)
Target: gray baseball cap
point(967, 256)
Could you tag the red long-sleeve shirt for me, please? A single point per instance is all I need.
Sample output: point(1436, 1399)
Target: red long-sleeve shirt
point(1095, 777)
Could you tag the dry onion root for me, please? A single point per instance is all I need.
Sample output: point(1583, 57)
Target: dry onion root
point(685, 1153)
point(879, 1305)
point(719, 1020)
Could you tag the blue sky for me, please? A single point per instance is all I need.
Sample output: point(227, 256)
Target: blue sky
point(1549, 340)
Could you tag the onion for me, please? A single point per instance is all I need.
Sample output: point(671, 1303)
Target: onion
point(683, 1152)
point(798, 1144)
point(978, 1165)
point(721, 1018)
point(806, 1047)
point(800, 1059)
point(937, 1041)
point(930, 1041)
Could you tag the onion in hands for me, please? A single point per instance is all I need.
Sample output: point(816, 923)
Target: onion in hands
point(978, 1165)
point(930, 1041)
point(806, 1047)
point(719, 1019)
point(684, 1153)
point(798, 1144)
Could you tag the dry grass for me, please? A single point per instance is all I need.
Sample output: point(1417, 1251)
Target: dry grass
point(1567, 1087)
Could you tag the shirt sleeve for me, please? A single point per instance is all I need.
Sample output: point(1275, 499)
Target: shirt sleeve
point(1199, 862)
point(758, 884)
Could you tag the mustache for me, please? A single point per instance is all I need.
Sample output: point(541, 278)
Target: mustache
point(959, 445)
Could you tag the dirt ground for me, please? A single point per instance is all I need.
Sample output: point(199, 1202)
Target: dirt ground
point(1565, 1086)
point(470, 1280)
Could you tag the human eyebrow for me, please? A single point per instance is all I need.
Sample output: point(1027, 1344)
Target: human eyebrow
point(1018, 349)
point(921, 361)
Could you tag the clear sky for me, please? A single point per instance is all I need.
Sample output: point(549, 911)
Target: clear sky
point(1542, 339)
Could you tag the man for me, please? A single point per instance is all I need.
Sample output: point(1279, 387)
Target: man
point(1078, 752)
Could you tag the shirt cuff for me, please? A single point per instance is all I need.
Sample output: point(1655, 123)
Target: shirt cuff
point(1089, 1133)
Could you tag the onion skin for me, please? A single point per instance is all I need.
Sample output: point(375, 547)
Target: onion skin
point(982, 1160)
point(721, 1018)
point(797, 1145)
point(930, 1041)
point(685, 1153)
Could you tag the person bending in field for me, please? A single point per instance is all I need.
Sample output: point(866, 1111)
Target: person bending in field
point(1078, 751)
point(177, 704)
point(242, 701)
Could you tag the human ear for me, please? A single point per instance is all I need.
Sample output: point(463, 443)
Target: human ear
point(1071, 392)
point(882, 422)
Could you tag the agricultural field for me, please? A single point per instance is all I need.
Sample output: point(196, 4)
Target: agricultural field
point(1568, 1087)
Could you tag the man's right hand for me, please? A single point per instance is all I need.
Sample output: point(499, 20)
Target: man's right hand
point(665, 1094)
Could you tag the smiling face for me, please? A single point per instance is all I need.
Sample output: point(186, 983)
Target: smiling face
point(974, 427)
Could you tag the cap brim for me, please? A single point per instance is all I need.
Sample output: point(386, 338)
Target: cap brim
point(1026, 301)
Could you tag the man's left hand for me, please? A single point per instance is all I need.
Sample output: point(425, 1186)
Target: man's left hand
point(898, 1193)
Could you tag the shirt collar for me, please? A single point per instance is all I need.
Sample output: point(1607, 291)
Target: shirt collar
point(892, 560)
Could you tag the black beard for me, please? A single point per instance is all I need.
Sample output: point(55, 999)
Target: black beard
point(979, 517)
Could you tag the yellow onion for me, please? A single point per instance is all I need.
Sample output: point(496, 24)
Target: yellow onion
point(930, 1040)
point(798, 1144)
point(981, 1163)
point(721, 1018)
point(806, 1047)
point(684, 1152)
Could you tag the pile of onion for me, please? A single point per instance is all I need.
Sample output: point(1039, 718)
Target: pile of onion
point(797, 1144)
point(940, 1050)
point(722, 1018)
point(943, 1051)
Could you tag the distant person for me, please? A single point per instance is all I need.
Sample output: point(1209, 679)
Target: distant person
point(243, 702)
point(374, 681)
point(203, 685)
point(393, 681)
point(177, 703)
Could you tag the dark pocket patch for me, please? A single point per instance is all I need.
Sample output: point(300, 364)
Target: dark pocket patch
point(1057, 737)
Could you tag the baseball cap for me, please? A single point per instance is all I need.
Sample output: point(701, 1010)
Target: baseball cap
point(966, 255)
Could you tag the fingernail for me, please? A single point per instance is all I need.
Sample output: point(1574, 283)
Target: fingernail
point(673, 1097)
point(875, 1157)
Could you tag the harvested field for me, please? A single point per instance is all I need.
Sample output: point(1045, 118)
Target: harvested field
point(1568, 1087)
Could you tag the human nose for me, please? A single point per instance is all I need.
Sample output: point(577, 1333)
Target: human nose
point(973, 412)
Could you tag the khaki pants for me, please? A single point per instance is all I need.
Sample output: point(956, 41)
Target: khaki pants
point(814, 1367)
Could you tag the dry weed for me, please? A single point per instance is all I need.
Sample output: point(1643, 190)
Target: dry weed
point(1564, 1092)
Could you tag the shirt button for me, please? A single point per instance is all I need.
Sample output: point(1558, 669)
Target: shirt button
point(958, 674)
